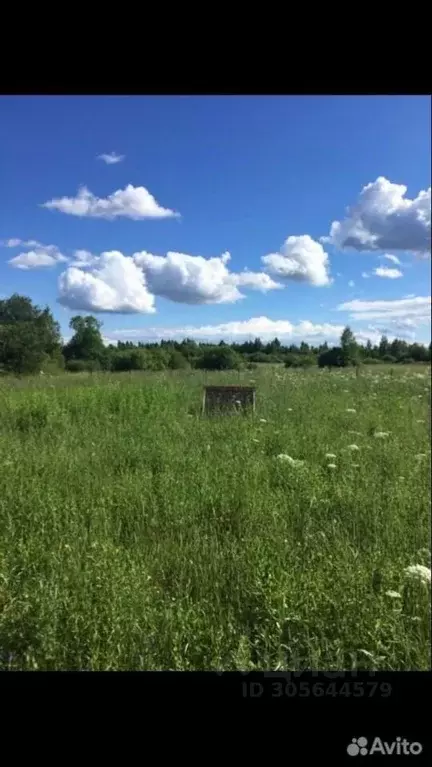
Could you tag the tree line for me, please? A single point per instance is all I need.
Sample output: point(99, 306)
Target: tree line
point(30, 342)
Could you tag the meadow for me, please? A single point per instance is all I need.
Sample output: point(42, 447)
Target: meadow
point(137, 534)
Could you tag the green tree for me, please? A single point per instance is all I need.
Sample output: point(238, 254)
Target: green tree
point(29, 336)
point(384, 347)
point(349, 347)
point(86, 343)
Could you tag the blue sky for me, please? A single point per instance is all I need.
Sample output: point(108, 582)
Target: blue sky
point(213, 217)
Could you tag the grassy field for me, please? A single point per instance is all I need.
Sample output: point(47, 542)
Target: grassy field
point(135, 534)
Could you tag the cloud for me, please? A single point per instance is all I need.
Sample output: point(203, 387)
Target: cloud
point(389, 257)
point(132, 202)
point(83, 258)
point(301, 259)
point(365, 275)
point(38, 257)
point(35, 259)
point(112, 158)
point(15, 242)
point(351, 284)
point(417, 309)
point(255, 280)
point(262, 327)
point(385, 271)
point(114, 283)
point(197, 280)
point(384, 219)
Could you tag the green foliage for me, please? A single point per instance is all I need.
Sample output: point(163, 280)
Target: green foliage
point(349, 348)
point(29, 337)
point(177, 361)
point(332, 358)
point(300, 360)
point(76, 366)
point(260, 357)
point(219, 358)
point(371, 361)
point(86, 343)
point(389, 358)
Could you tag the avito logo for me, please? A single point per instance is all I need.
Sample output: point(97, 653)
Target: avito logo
point(398, 747)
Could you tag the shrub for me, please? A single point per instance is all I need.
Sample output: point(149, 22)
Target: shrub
point(370, 361)
point(260, 357)
point(76, 366)
point(176, 361)
point(389, 358)
point(219, 358)
point(407, 360)
point(332, 358)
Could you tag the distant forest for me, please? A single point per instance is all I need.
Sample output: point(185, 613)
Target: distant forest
point(30, 342)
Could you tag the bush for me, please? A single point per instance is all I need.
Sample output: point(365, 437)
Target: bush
point(300, 360)
point(219, 358)
point(370, 361)
point(332, 358)
point(407, 360)
point(260, 357)
point(76, 366)
point(292, 361)
point(389, 358)
point(176, 361)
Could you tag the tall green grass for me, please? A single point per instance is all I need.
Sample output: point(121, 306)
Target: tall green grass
point(136, 534)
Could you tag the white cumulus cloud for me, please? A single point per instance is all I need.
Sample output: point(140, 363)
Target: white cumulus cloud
point(35, 259)
point(197, 280)
point(417, 309)
point(351, 284)
point(83, 258)
point(113, 283)
point(112, 158)
point(385, 219)
point(302, 259)
point(388, 272)
point(131, 202)
point(263, 327)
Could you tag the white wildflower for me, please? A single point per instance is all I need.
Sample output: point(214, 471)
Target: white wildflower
point(263, 420)
point(355, 465)
point(353, 447)
point(288, 459)
point(418, 572)
point(419, 420)
point(393, 594)
point(289, 409)
point(238, 402)
point(421, 455)
point(330, 455)
point(255, 440)
point(351, 410)
point(331, 465)
point(357, 433)
point(401, 477)
point(381, 434)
